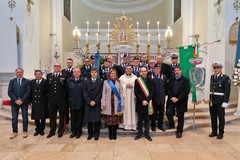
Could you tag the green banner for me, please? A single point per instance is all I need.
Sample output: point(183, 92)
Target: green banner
point(185, 54)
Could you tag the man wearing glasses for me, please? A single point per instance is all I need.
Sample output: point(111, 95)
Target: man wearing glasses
point(219, 96)
point(86, 68)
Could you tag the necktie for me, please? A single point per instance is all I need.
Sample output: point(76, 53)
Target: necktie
point(18, 82)
point(158, 76)
point(215, 77)
point(69, 70)
point(94, 80)
point(38, 82)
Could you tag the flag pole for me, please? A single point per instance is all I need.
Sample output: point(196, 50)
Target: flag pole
point(200, 44)
point(194, 109)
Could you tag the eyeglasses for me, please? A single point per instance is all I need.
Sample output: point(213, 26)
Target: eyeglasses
point(216, 67)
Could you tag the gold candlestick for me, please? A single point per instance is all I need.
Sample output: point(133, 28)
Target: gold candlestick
point(109, 48)
point(87, 44)
point(159, 44)
point(148, 50)
point(137, 49)
point(98, 46)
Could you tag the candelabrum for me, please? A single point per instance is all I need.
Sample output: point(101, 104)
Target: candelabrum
point(137, 49)
point(148, 50)
point(159, 44)
point(109, 48)
point(98, 46)
point(87, 44)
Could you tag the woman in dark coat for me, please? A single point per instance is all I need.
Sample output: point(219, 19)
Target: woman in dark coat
point(92, 96)
point(39, 102)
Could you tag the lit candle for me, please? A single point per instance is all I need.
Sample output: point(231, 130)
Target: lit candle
point(98, 26)
point(148, 38)
point(148, 27)
point(158, 25)
point(137, 26)
point(108, 32)
point(87, 26)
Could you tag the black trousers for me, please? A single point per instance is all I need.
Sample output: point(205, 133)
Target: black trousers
point(143, 118)
point(158, 115)
point(77, 116)
point(40, 125)
point(53, 109)
point(93, 129)
point(217, 112)
point(180, 114)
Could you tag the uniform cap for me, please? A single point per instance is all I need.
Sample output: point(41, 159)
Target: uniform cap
point(217, 65)
point(174, 55)
point(135, 58)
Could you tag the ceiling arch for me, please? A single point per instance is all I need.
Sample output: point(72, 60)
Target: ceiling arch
point(118, 6)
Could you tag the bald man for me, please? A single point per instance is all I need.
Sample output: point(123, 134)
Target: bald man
point(57, 97)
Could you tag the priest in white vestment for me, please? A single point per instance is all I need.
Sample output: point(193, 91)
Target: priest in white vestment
point(129, 100)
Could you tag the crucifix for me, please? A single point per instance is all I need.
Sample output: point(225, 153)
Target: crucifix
point(29, 3)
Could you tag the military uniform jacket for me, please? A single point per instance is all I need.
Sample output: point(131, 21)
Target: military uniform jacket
point(221, 84)
point(57, 88)
point(121, 69)
point(165, 69)
point(136, 71)
point(159, 85)
point(69, 73)
point(39, 99)
point(140, 96)
point(182, 93)
point(93, 92)
point(85, 73)
point(104, 71)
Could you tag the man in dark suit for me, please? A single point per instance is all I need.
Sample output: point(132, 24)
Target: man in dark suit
point(92, 95)
point(165, 69)
point(69, 72)
point(220, 88)
point(86, 68)
point(69, 69)
point(158, 100)
point(76, 102)
point(107, 66)
point(39, 102)
point(121, 67)
point(151, 64)
point(178, 88)
point(57, 98)
point(142, 101)
point(19, 91)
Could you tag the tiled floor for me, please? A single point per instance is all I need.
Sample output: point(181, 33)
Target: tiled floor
point(194, 145)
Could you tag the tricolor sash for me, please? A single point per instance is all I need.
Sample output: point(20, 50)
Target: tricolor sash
point(146, 93)
point(114, 89)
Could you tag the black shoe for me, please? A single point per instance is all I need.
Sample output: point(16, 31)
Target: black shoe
point(89, 137)
point(96, 138)
point(220, 136)
point(72, 135)
point(36, 133)
point(137, 137)
point(178, 135)
point(78, 135)
point(60, 135)
point(171, 127)
point(42, 133)
point(148, 138)
point(153, 129)
point(212, 134)
point(50, 135)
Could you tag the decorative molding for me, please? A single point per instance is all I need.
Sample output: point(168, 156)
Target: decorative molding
point(130, 6)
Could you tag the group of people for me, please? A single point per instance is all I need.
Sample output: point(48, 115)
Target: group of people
point(128, 96)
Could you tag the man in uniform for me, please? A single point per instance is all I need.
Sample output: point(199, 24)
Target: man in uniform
point(174, 63)
point(151, 65)
point(105, 69)
point(158, 100)
point(86, 68)
point(219, 96)
point(144, 61)
point(39, 102)
point(165, 69)
point(136, 66)
point(57, 97)
point(69, 69)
